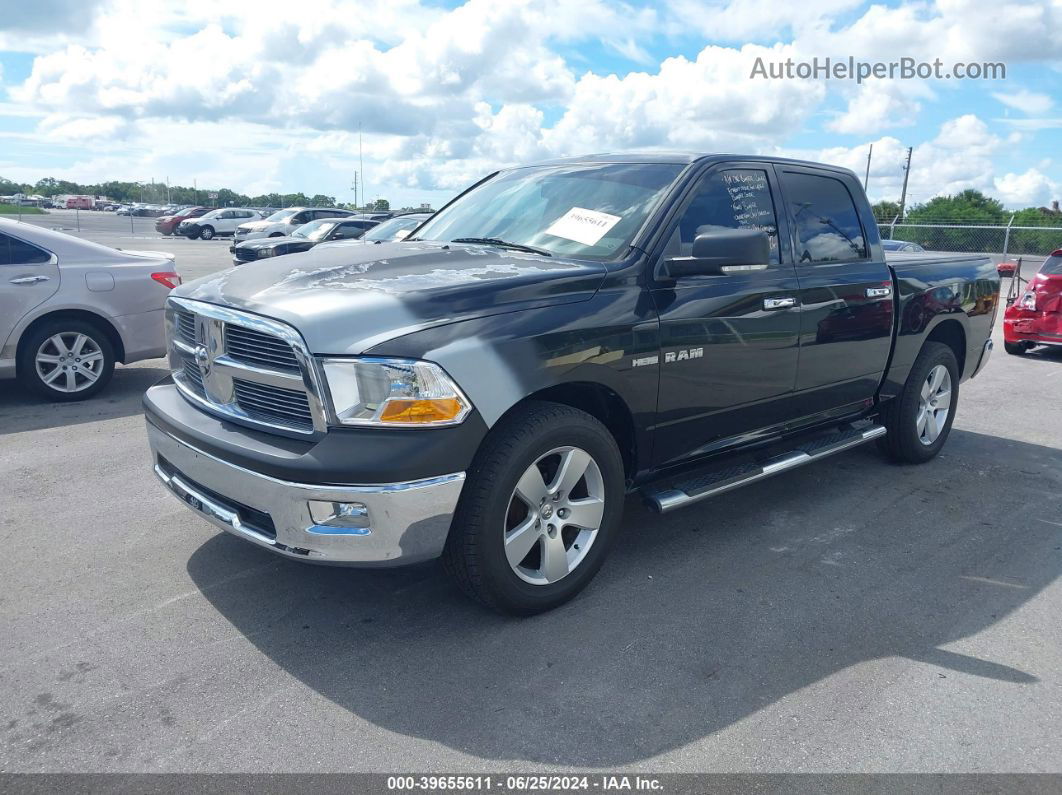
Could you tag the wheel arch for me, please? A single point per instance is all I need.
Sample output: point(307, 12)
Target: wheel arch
point(601, 403)
point(86, 316)
point(950, 332)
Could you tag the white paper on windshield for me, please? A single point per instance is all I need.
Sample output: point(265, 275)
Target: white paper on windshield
point(402, 233)
point(583, 226)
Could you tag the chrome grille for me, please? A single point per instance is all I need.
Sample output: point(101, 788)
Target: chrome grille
point(274, 403)
point(185, 322)
point(193, 376)
point(244, 367)
point(254, 347)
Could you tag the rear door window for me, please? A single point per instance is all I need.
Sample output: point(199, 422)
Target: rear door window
point(826, 223)
point(18, 252)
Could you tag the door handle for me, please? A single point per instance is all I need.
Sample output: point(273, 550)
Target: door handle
point(879, 292)
point(785, 302)
point(29, 280)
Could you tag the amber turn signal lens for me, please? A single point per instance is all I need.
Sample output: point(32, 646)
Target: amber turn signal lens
point(416, 411)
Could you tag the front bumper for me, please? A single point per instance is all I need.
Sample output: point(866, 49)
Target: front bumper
point(405, 523)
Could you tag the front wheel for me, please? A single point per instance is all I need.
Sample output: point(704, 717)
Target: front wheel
point(206, 232)
point(919, 419)
point(539, 511)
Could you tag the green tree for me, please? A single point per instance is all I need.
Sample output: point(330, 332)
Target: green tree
point(381, 205)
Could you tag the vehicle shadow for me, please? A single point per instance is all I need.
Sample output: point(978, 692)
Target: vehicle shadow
point(21, 410)
point(698, 619)
point(1045, 353)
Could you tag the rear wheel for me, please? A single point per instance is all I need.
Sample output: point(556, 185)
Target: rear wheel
point(1016, 348)
point(919, 419)
point(538, 512)
point(65, 360)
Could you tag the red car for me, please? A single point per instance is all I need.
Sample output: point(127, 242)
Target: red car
point(168, 223)
point(1036, 317)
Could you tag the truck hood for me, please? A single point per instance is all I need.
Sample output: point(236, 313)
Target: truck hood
point(347, 299)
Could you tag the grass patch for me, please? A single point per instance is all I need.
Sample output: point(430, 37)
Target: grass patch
point(11, 209)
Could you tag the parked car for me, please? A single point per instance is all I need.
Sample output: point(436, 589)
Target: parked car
point(167, 224)
point(396, 228)
point(70, 309)
point(283, 222)
point(900, 245)
point(124, 210)
point(216, 222)
point(490, 389)
point(303, 238)
point(1036, 317)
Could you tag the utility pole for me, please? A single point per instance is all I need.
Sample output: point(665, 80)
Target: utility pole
point(361, 163)
point(866, 179)
point(356, 205)
point(906, 174)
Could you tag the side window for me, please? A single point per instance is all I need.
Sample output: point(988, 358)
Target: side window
point(737, 198)
point(300, 218)
point(827, 224)
point(349, 230)
point(16, 252)
point(325, 214)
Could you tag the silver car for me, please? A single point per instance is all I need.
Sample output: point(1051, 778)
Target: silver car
point(70, 309)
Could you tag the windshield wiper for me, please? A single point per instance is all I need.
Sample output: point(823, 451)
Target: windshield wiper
point(493, 241)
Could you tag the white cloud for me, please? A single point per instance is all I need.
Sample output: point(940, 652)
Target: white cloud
point(880, 105)
point(446, 95)
point(1029, 188)
point(1028, 102)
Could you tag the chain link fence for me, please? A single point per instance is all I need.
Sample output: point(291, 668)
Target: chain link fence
point(1032, 243)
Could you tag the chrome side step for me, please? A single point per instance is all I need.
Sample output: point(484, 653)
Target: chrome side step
point(688, 489)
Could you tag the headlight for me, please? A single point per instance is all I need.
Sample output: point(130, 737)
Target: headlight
point(393, 392)
point(266, 252)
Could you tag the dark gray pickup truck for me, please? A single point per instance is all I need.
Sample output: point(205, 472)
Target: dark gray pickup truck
point(559, 336)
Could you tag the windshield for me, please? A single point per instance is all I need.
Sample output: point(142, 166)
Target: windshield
point(388, 230)
point(281, 215)
point(578, 210)
point(316, 230)
point(1052, 265)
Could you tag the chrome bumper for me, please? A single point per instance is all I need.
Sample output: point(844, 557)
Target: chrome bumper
point(403, 522)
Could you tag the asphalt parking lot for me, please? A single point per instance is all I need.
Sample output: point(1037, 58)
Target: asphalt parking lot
point(854, 616)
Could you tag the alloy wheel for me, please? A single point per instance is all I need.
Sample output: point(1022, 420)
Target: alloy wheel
point(934, 404)
point(69, 361)
point(554, 515)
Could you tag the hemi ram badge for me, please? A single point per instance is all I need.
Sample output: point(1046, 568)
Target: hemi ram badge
point(681, 356)
point(645, 360)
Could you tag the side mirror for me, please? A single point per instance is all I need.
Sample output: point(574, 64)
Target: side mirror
point(724, 251)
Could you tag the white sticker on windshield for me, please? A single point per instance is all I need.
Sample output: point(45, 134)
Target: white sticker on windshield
point(583, 226)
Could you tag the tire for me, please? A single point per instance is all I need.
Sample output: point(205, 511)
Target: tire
point(544, 436)
point(1016, 348)
point(42, 353)
point(206, 232)
point(909, 440)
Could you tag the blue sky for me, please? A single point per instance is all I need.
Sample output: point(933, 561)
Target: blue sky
point(247, 95)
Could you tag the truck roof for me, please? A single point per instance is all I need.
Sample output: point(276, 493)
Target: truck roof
point(681, 158)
